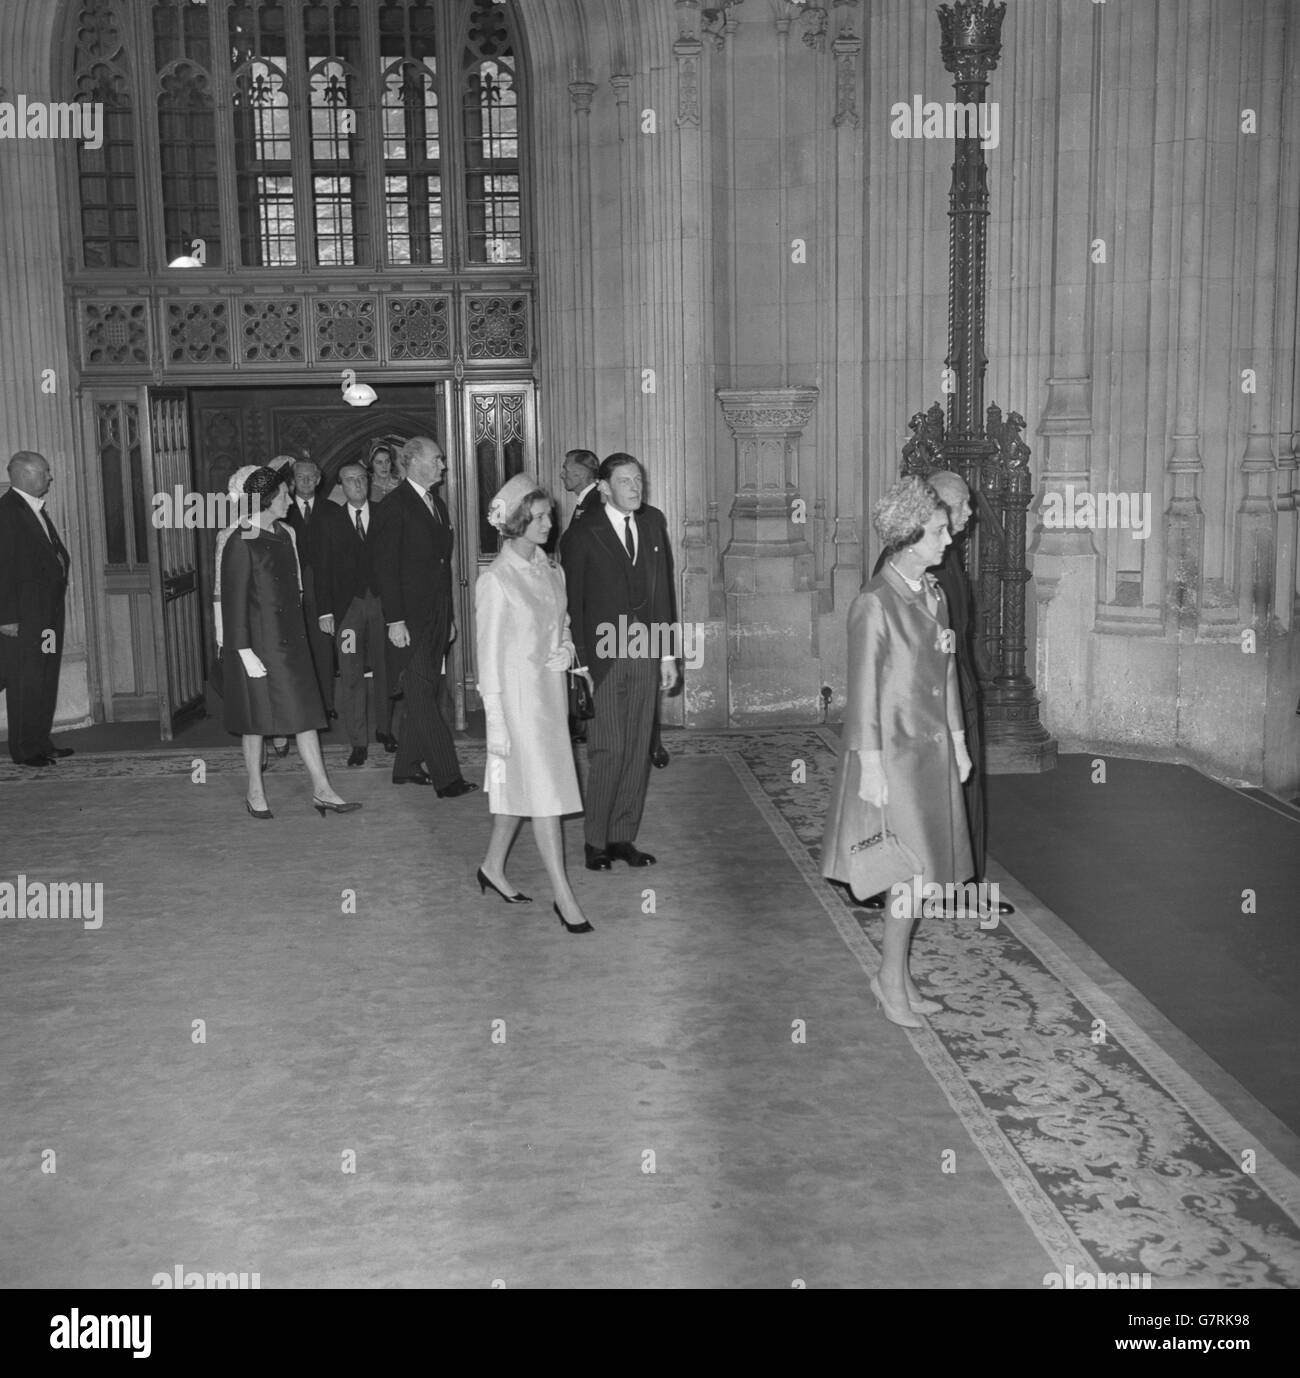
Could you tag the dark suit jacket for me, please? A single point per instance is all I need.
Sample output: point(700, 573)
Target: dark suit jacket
point(598, 575)
point(951, 578)
point(309, 534)
point(344, 562)
point(412, 564)
point(32, 581)
point(591, 503)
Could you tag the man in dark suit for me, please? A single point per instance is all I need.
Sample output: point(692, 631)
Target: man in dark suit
point(953, 580)
point(346, 579)
point(578, 474)
point(618, 568)
point(34, 568)
point(308, 515)
point(412, 546)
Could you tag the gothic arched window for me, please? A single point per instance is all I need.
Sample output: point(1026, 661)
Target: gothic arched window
point(302, 134)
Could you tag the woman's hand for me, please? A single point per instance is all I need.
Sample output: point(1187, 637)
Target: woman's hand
point(872, 787)
point(498, 734)
point(964, 763)
point(560, 659)
point(253, 667)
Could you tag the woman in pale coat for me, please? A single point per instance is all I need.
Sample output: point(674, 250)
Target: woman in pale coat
point(904, 741)
point(524, 649)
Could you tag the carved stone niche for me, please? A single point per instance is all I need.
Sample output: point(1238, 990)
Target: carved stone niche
point(769, 518)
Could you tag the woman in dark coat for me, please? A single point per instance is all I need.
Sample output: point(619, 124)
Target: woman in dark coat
point(270, 685)
point(904, 742)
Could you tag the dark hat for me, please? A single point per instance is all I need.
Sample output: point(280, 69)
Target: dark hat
point(263, 483)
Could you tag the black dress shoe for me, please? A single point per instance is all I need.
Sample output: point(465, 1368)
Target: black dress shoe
point(625, 851)
point(659, 758)
point(419, 778)
point(358, 756)
point(37, 761)
point(386, 740)
point(456, 789)
point(59, 751)
point(597, 858)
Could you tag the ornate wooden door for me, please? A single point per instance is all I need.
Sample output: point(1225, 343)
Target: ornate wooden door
point(497, 440)
point(173, 558)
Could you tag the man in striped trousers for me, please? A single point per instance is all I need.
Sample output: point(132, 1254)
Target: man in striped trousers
point(619, 574)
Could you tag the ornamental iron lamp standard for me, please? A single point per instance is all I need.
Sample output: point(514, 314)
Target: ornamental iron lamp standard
point(987, 452)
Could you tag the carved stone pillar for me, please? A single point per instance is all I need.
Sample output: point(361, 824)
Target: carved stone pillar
point(1185, 518)
point(768, 567)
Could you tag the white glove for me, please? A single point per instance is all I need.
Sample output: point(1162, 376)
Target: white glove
point(253, 667)
point(560, 658)
point(964, 763)
point(872, 788)
point(498, 735)
point(216, 618)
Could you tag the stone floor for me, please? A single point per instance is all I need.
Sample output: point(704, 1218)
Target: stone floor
point(309, 1049)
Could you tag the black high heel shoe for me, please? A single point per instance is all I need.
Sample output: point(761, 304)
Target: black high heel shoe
point(282, 751)
point(583, 927)
point(517, 898)
point(260, 814)
point(322, 807)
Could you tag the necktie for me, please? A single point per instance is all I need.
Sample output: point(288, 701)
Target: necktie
point(361, 530)
point(627, 539)
point(306, 509)
point(54, 541)
point(433, 506)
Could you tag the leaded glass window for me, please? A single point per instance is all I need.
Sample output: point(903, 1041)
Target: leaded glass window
point(491, 139)
point(301, 133)
point(106, 176)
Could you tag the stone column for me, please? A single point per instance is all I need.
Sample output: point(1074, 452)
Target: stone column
point(703, 702)
point(1185, 518)
point(768, 567)
point(1255, 526)
point(1064, 559)
point(37, 379)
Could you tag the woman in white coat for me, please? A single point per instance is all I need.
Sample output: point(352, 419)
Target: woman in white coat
point(524, 649)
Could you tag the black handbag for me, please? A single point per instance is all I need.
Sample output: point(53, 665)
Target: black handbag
point(582, 707)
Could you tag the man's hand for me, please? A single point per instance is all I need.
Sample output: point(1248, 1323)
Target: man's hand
point(9, 629)
point(667, 675)
point(327, 623)
point(398, 634)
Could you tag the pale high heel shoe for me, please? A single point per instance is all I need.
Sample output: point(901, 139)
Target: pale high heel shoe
point(923, 1006)
point(907, 1021)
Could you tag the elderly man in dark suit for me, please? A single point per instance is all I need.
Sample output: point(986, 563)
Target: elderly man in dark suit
point(618, 567)
point(34, 568)
point(309, 513)
point(346, 579)
point(413, 543)
point(578, 474)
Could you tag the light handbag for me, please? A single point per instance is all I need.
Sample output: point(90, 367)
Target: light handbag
point(879, 862)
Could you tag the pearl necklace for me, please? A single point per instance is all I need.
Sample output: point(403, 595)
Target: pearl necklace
point(913, 584)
